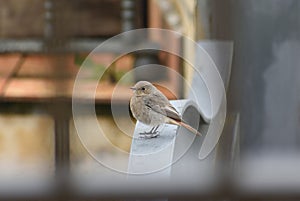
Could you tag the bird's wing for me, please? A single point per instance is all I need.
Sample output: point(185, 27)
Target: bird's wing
point(172, 112)
point(162, 106)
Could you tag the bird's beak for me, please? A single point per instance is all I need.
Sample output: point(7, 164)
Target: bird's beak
point(133, 88)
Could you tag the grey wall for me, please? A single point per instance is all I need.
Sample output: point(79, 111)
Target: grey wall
point(265, 84)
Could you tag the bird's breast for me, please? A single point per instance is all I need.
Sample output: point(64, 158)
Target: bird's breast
point(145, 114)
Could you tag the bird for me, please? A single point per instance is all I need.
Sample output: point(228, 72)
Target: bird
point(151, 107)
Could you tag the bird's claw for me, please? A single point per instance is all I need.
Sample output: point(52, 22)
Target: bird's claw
point(149, 134)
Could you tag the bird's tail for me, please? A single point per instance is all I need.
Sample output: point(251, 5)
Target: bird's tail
point(186, 126)
point(190, 128)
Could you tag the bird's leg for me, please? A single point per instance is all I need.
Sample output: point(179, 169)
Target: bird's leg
point(152, 133)
point(155, 129)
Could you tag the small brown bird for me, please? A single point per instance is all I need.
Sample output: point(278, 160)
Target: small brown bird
point(151, 107)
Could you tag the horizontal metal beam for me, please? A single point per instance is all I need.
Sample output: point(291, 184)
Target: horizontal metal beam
point(73, 45)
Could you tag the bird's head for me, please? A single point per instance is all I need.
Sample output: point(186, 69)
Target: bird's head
point(143, 88)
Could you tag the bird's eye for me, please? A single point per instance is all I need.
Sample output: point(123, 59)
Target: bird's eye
point(143, 88)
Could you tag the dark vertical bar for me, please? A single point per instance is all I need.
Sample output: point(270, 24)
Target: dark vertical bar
point(54, 41)
point(62, 150)
point(128, 15)
point(48, 26)
point(61, 114)
point(144, 13)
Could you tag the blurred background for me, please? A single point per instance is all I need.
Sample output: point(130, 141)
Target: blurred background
point(43, 43)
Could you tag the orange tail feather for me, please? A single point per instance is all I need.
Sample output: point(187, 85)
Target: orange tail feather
point(188, 127)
